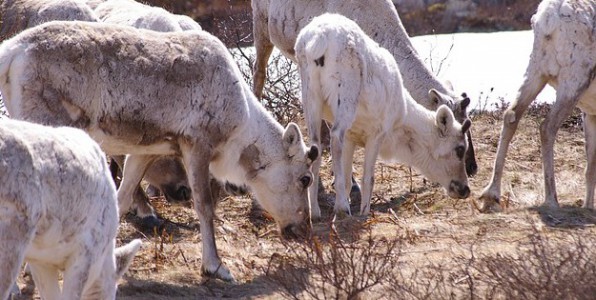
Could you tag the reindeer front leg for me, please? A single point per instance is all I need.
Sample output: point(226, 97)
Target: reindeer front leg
point(532, 85)
point(196, 160)
point(46, 281)
point(132, 173)
point(77, 275)
point(371, 152)
point(140, 199)
point(590, 136)
point(337, 143)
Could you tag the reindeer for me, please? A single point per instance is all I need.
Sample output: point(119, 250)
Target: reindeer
point(564, 56)
point(149, 94)
point(278, 22)
point(58, 212)
point(352, 82)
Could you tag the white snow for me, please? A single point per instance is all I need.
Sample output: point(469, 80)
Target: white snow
point(477, 62)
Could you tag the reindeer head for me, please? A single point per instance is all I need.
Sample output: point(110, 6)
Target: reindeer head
point(443, 159)
point(169, 175)
point(460, 111)
point(280, 179)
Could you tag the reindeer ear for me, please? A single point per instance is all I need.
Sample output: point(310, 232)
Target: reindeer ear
point(444, 119)
point(436, 97)
point(465, 102)
point(292, 139)
point(124, 256)
point(313, 153)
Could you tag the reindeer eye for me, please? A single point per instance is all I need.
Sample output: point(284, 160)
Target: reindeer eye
point(305, 180)
point(460, 151)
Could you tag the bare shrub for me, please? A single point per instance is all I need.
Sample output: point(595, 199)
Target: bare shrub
point(422, 282)
point(334, 269)
point(281, 95)
point(540, 268)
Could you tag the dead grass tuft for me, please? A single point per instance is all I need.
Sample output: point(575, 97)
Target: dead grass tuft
point(331, 268)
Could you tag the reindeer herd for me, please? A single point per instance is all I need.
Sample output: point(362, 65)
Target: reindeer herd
point(167, 102)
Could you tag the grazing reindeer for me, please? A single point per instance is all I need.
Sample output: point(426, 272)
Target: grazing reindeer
point(58, 212)
point(564, 56)
point(149, 94)
point(278, 22)
point(350, 81)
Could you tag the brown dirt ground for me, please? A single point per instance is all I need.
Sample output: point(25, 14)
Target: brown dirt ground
point(168, 265)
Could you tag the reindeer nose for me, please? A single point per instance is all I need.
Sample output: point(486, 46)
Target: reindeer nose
point(462, 190)
point(184, 193)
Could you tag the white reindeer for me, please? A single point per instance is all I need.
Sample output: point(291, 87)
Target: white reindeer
point(349, 80)
point(149, 94)
point(138, 15)
point(278, 22)
point(167, 174)
point(564, 56)
point(58, 212)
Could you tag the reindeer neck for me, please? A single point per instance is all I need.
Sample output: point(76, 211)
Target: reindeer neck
point(259, 129)
point(406, 143)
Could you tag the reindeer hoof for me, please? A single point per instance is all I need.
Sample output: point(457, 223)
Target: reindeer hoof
point(490, 205)
point(221, 272)
point(150, 222)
